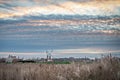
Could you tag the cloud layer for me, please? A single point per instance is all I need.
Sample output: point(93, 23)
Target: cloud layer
point(33, 25)
point(19, 8)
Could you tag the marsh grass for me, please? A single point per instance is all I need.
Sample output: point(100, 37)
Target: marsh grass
point(105, 69)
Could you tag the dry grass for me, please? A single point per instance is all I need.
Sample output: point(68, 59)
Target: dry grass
point(106, 69)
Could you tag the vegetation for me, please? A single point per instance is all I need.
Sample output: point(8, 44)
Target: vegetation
point(63, 62)
point(105, 69)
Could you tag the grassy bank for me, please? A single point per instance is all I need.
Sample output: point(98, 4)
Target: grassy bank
point(63, 62)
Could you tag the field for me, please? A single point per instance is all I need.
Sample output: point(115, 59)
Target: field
point(104, 69)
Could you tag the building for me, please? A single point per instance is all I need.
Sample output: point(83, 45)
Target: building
point(49, 56)
point(10, 59)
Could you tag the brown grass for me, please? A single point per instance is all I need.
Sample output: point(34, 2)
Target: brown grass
point(106, 69)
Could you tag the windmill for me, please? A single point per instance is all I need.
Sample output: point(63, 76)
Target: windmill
point(49, 56)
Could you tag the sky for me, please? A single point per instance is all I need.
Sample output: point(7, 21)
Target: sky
point(68, 27)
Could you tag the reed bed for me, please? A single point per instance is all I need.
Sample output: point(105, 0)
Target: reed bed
point(104, 69)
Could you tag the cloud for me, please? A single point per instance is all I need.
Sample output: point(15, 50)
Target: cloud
point(85, 50)
point(64, 7)
point(59, 24)
point(59, 27)
point(64, 51)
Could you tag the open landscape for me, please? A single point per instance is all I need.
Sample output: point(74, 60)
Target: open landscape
point(107, 68)
point(59, 39)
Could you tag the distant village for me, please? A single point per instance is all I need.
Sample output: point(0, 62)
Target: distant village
point(15, 59)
